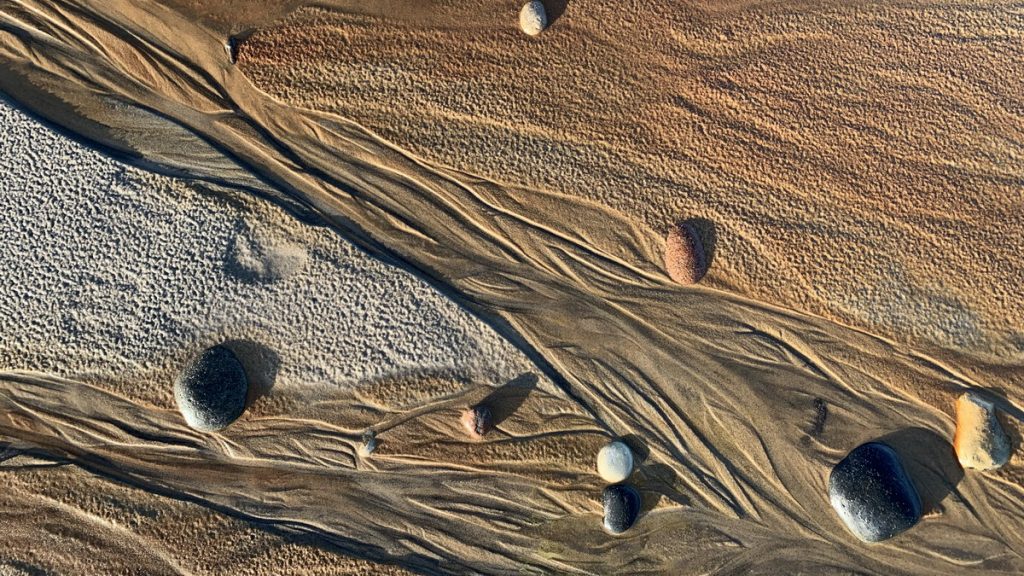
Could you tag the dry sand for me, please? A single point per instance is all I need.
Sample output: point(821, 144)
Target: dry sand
point(858, 170)
point(115, 276)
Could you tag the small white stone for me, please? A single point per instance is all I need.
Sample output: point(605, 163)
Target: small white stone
point(615, 462)
point(533, 18)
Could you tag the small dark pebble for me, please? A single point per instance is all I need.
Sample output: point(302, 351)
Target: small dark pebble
point(211, 391)
point(621, 507)
point(872, 493)
point(478, 420)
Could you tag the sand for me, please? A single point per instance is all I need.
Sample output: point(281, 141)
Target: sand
point(858, 166)
point(115, 276)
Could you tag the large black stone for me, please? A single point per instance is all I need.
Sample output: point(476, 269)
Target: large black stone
point(872, 493)
point(621, 507)
point(211, 391)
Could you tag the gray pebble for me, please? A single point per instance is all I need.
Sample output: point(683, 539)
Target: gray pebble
point(621, 507)
point(872, 493)
point(211, 391)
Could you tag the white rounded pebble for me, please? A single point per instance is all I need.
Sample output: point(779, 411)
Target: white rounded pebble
point(533, 18)
point(615, 462)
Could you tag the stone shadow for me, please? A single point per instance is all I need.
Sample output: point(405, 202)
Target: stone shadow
point(930, 461)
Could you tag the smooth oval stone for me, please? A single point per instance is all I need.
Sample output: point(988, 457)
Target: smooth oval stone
point(477, 421)
point(211, 391)
point(621, 507)
point(685, 260)
point(533, 18)
point(980, 441)
point(872, 493)
point(615, 462)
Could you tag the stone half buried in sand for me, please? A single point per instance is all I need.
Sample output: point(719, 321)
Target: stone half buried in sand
point(980, 441)
point(533, 18)
point(477, 421)
point(615, 462)
point(211, 391)
point(685, 259)
point(872, 493)
point(369, 443)
point(621, 507)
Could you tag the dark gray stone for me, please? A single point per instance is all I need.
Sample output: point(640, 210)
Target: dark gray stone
point(478, 420)
point(621, 507)
point(872, 493)
point(212, 390)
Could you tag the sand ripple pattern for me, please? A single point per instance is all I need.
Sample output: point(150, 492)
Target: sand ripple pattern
point(743, 406)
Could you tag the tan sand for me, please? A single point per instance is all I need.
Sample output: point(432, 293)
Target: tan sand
point(859, 163)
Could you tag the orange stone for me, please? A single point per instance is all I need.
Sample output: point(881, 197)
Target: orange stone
point(980, 441)
point(685, 260)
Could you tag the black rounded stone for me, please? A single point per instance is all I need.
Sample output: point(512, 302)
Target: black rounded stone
point(621, 507)
point(211, 391)
point(872, 493)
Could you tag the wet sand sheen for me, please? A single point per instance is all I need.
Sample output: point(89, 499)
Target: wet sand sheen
point(725, 391)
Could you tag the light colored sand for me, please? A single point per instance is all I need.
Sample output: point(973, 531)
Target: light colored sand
point(118, 276)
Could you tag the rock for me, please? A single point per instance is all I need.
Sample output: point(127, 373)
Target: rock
point(615, 462)
point(369, 443)
point(621, 507)
point(478, 421)
point(211, 391)
point(685, 259)
point(533, 18)
point(872, 493)
point(980, 441)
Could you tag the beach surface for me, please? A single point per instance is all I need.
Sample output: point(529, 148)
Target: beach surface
point(854, 171)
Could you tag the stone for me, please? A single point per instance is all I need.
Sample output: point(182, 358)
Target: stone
point(615, 462)
point(369, 443)
point(533, 18)
point(621, 507)
point(980, 441)
point(211, 391)
point(872, 493)
point(685, 259)
point(478, 421)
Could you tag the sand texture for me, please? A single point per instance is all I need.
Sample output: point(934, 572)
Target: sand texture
point(856, 173)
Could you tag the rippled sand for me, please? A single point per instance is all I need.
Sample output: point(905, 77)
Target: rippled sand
point(858, 171)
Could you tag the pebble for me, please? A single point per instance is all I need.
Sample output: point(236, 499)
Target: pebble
point(477, 421)
point(211, 391)
point(980, 441)
point(621, 507)
point(615, 462)
point(533, 18)
point(685, 259)
point(369, 443)
point(872, 493)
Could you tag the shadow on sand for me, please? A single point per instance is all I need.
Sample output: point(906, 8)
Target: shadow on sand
point(261, 366)
point(507, 398)
point(930, 461)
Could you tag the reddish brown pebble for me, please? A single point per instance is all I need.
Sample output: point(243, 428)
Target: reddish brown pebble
point(685, 260)
point(477, 421)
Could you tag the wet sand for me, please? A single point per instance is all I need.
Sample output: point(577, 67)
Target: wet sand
point(857, 170)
